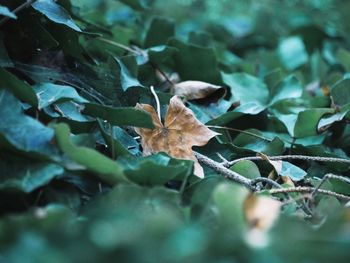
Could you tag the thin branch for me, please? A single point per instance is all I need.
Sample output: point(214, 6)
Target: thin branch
point(223, 159)
point(224, 171)
point(157, 101)
point(304, 189)
point(291, 157)
point(113, 43)
point(330, 176)
point(165, 76)
point(266, 180)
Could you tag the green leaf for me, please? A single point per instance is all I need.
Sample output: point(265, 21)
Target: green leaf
point(160, 54)
point(292, 52)
point(156, 169)
point(18, 87)
point(55, 13)
point(114, 145)
point(288, 88)
point(108, 170)
point(195, 63)
point(340, 186)
point(4, 11)
point(21, 131)
point(25, 177)
point(292, 171)
point(246, 168)
point(328, 120)
point(138, 4)
point(127, 80)
point(49, 93)
point(306, 123)
point(340, 92)
point(228, 199)
point(251, 94)
point(258, 143)
point(247, 89)
point(153, 35)
point(117, 116)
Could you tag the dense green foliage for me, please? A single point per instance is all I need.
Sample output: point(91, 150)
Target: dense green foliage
point(74, 186)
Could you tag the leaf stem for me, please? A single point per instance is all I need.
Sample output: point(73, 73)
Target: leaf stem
point(241, 131)
point(157, 102)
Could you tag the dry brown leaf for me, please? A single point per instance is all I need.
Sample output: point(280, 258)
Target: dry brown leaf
point(193, 90)
point(181, 131)
point(261, 211)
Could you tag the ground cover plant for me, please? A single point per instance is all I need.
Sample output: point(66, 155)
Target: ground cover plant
point(174, 131)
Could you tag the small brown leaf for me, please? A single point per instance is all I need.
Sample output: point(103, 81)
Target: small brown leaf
point(181, 131)
point(193, 90)
point(261, 211)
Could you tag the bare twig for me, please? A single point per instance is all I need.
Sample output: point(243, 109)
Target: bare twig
point(330, 176)
point(224, 171)
point(291, 157)
point(223, 159)
point(113, 43)
point(266, 180)
point(305, 189)
point(250, 184)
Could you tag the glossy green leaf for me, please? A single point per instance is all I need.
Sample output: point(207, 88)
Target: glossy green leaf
point(127, 80)
point(259, 143)
point(306, 123)
point(246, 168)
point(116, 116)
point(108, 170)
point(21, 131)
point(116, 147)
point(292, 171)
point(289, 88)
point(156, 169)
point(195, 63)
point(247, 89)
point(153, 36)
point(26, 177)
point(19, 88)
point(4, 11)
point(55, 12)
point(49, 93)
point(341, 92)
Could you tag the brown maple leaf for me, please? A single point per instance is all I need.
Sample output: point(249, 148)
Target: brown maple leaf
point(181, 131)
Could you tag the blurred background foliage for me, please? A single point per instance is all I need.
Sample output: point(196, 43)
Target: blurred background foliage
point(286, 62)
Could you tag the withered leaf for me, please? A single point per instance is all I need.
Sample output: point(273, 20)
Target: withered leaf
point(193, 90)
point(180, 131)
point(261, 211)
